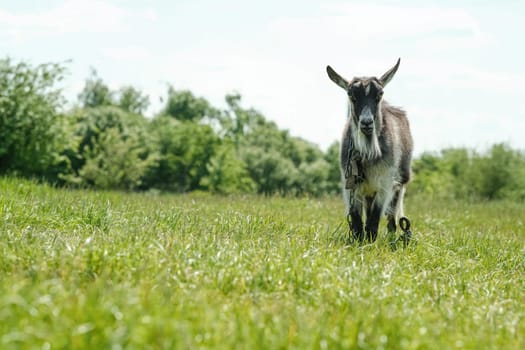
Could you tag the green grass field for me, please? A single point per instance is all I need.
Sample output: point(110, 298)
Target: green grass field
point(105, 270)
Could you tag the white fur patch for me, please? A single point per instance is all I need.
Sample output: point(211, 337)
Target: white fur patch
point(368, 147)
point(378, 182)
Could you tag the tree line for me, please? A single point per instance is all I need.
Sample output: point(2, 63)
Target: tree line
point(106, 142)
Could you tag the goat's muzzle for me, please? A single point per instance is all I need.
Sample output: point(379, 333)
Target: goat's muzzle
point(367, 126)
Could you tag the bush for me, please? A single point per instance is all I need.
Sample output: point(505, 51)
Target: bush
point(185, 150)
point(116, 162)
point(463, 174)
point(113, 149)
point(227, 173)
point(31, 129)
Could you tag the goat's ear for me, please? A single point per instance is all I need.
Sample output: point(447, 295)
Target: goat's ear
point(336, 78)
point(385, 78)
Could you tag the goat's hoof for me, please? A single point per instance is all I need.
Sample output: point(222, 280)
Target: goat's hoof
point(371, 237)
point(357, 236)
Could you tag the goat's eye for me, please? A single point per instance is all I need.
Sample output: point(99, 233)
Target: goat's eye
point(379, 96)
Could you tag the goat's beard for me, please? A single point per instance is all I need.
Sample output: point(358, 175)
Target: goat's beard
point(367, 145)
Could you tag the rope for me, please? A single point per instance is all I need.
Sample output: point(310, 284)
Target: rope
point(353, 172)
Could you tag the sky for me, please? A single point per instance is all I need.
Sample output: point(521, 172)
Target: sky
point(462, 62)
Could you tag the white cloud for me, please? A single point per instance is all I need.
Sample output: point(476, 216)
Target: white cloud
point(71, 16)
point(150, 15)
point(435, 129)
point(361, 27)
point(129, 53)
point(445, 73)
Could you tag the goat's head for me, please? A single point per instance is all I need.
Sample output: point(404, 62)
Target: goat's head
point(365, 96)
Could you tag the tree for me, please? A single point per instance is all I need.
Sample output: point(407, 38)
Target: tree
point(31, 129)
point(276, 161)
point(497, 174)
point(457, 163)
point(114, 149)
point(95, 92)
point(237, 122)
point(132, 100)
point(184, 106)
point(227, 173)
point(116, 162)
point(185, 149)
point(271, 172)
point(334, 173)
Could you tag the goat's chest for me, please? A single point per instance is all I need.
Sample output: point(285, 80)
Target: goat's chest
point(379, 178)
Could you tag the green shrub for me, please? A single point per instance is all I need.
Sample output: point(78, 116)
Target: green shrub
point(113, 150)
point(31, 129)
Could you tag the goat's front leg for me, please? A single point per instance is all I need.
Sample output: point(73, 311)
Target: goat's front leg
point(354, 213)
point(373, 214)
point(356, 222)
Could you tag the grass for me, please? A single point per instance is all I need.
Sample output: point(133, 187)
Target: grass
point(103, 270)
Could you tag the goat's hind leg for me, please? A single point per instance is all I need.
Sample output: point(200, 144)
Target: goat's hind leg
point(393, 211)
point(396, 214)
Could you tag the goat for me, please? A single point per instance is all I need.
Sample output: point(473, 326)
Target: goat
point(375, 155)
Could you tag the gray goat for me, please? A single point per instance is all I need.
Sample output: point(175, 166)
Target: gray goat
point(375, 155)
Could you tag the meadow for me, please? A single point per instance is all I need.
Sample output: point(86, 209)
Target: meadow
point(86, 269)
